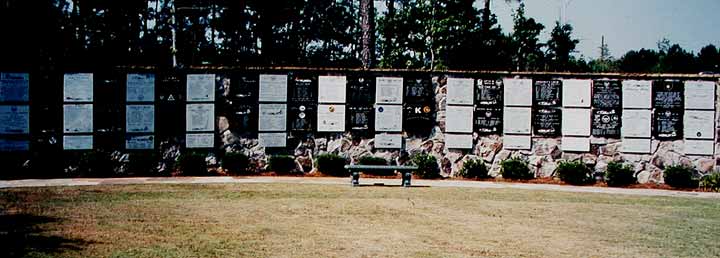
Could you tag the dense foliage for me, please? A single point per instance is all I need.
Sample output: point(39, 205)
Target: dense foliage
point(331, 164)
point(236, 163)
point(193, 164)
point(711, 182)
point(515, 168)
point(474, 169)
point(619, 174)
point(574, 172)
point(427, 164)
point(282, 164)
point(680, 177)
point(453, 34)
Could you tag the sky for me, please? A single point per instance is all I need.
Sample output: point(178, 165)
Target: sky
point(626, 24)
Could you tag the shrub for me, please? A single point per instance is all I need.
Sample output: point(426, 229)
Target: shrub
point(515, 168)
point(95, 164)
point(474, 168)
point(331, 164)
point(281, 164)
point(574, 172)
point(680, 177)
point(236, 163)
point(377, 161)
point(142, 164)
point(618, 174)
point(427, 166)
point(193, 164)
point(711, 182)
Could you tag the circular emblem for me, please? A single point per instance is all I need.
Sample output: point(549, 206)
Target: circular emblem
point(426, 109)
point(301, 115)
point(605, 119)
point(381, 109)
point(699, 134)
point(332, 109)
point(488, 114)
point(302, 108)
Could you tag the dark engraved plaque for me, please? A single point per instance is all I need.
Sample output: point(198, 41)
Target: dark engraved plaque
point(418, 118)
point(489, 92)
point(607, 94)
point(170, 108)
point(488, 120)
point(361, 90)
point(668, 94)
point(546, 93)
point(547, 121)
point(606, 123)
point(360, 118)
point(245, 103)
point(301, 117)
point(418, 90)
point(303, 89)
point(668, 124)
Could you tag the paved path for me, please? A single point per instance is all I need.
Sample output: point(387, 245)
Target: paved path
point(346, 181)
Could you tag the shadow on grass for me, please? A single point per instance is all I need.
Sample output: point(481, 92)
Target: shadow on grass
point(398, 186)
point(22, 234)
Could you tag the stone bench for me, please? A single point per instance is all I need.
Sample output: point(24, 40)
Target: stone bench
point(355, 170)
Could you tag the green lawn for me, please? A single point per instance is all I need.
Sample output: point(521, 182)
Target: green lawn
point(292, 220)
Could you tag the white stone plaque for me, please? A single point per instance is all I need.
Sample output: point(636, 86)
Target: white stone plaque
point(516, 120)
point(636, 94)
point(200, 117)
point(331, 118)
point(576, 144)
point(636, 123)
point(699, 147)
point(78, 87)
point(632, 145)
point(460, 91)
point(459, 119)
point(517, 142)
point(389, 90)
point(576, 122)
point(14, 119)
point(388, 118)
point(517, 92)
point(78, 118)
point(140, 118)
point(459, 141)
point(199, 140)
point(14, 145)
point(388, 141)
point(699, 124)
point(14, 87)
point(576, 93)
point(140, 87)
point(200, 87)
point(273, 88)
point(700, 95)
point(77, 142)
point(140, 142)
point(273, 117)
point(272, 140)
point(331, 89)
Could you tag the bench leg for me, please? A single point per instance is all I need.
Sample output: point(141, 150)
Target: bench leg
point(355, 178)
point(407, 176)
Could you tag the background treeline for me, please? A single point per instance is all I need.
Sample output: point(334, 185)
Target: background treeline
point(425, 34)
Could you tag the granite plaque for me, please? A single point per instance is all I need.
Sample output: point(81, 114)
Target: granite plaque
point(361, 90)
point(517, 142)
point(699, 124)
point(78, 87)
point(14, 119)
point(489, 93)
point(607, 94)
point(200, 117)
point(547, 121)
point(576, 122)
point(303, 90)
point(516, 120)
point(668, 94)
point(576, 144)
point(273, 117)
point(388, 118)
point(199, 140)
point(200, 88)
point(331, 118)
point(139, 142)
point(639, 146)
point(389, 90)
point(517, 92)
point(273, 88)
point(140, 118)
point(78, 118)
point(576, 93)
point(668, 124)
point(418, 90)
point(460, 91)
point(636, 123)
point(636, 94)
point(331, 89)
point(360, 118)
point(272, 140)
point(606, 123)
point(488, 120)
point(459, 119)
point(546, 93)
point(303, 117)
point(459, 141)
point(700, 95)
point(699, 147)
point(14, 87)
point(140, 87)
point(388, 141)
point(77, 142)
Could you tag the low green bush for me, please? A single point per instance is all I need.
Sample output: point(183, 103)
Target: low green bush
point(474, 169)
point(574, 173)
point(376, 161)
point(619, 174)
point(711, 182)
point(95, 164)
point(282, 164)
point(515, 168)
point(427, 166)
point(331, 165)
point(680, 177)
point(193, 164)
point(236, 163)
point(142, 164)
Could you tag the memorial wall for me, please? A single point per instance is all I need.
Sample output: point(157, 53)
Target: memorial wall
point(652, 123)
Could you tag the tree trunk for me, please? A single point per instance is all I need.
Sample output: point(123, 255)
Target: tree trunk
point(367, 26)
point(486, 18)
point(387, 33)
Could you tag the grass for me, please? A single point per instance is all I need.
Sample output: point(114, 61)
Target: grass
point(293, 220)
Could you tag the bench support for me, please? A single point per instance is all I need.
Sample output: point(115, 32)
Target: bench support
point(355, 178)
point(406, 177)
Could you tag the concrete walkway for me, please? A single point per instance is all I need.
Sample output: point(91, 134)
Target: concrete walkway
point(346, 181)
